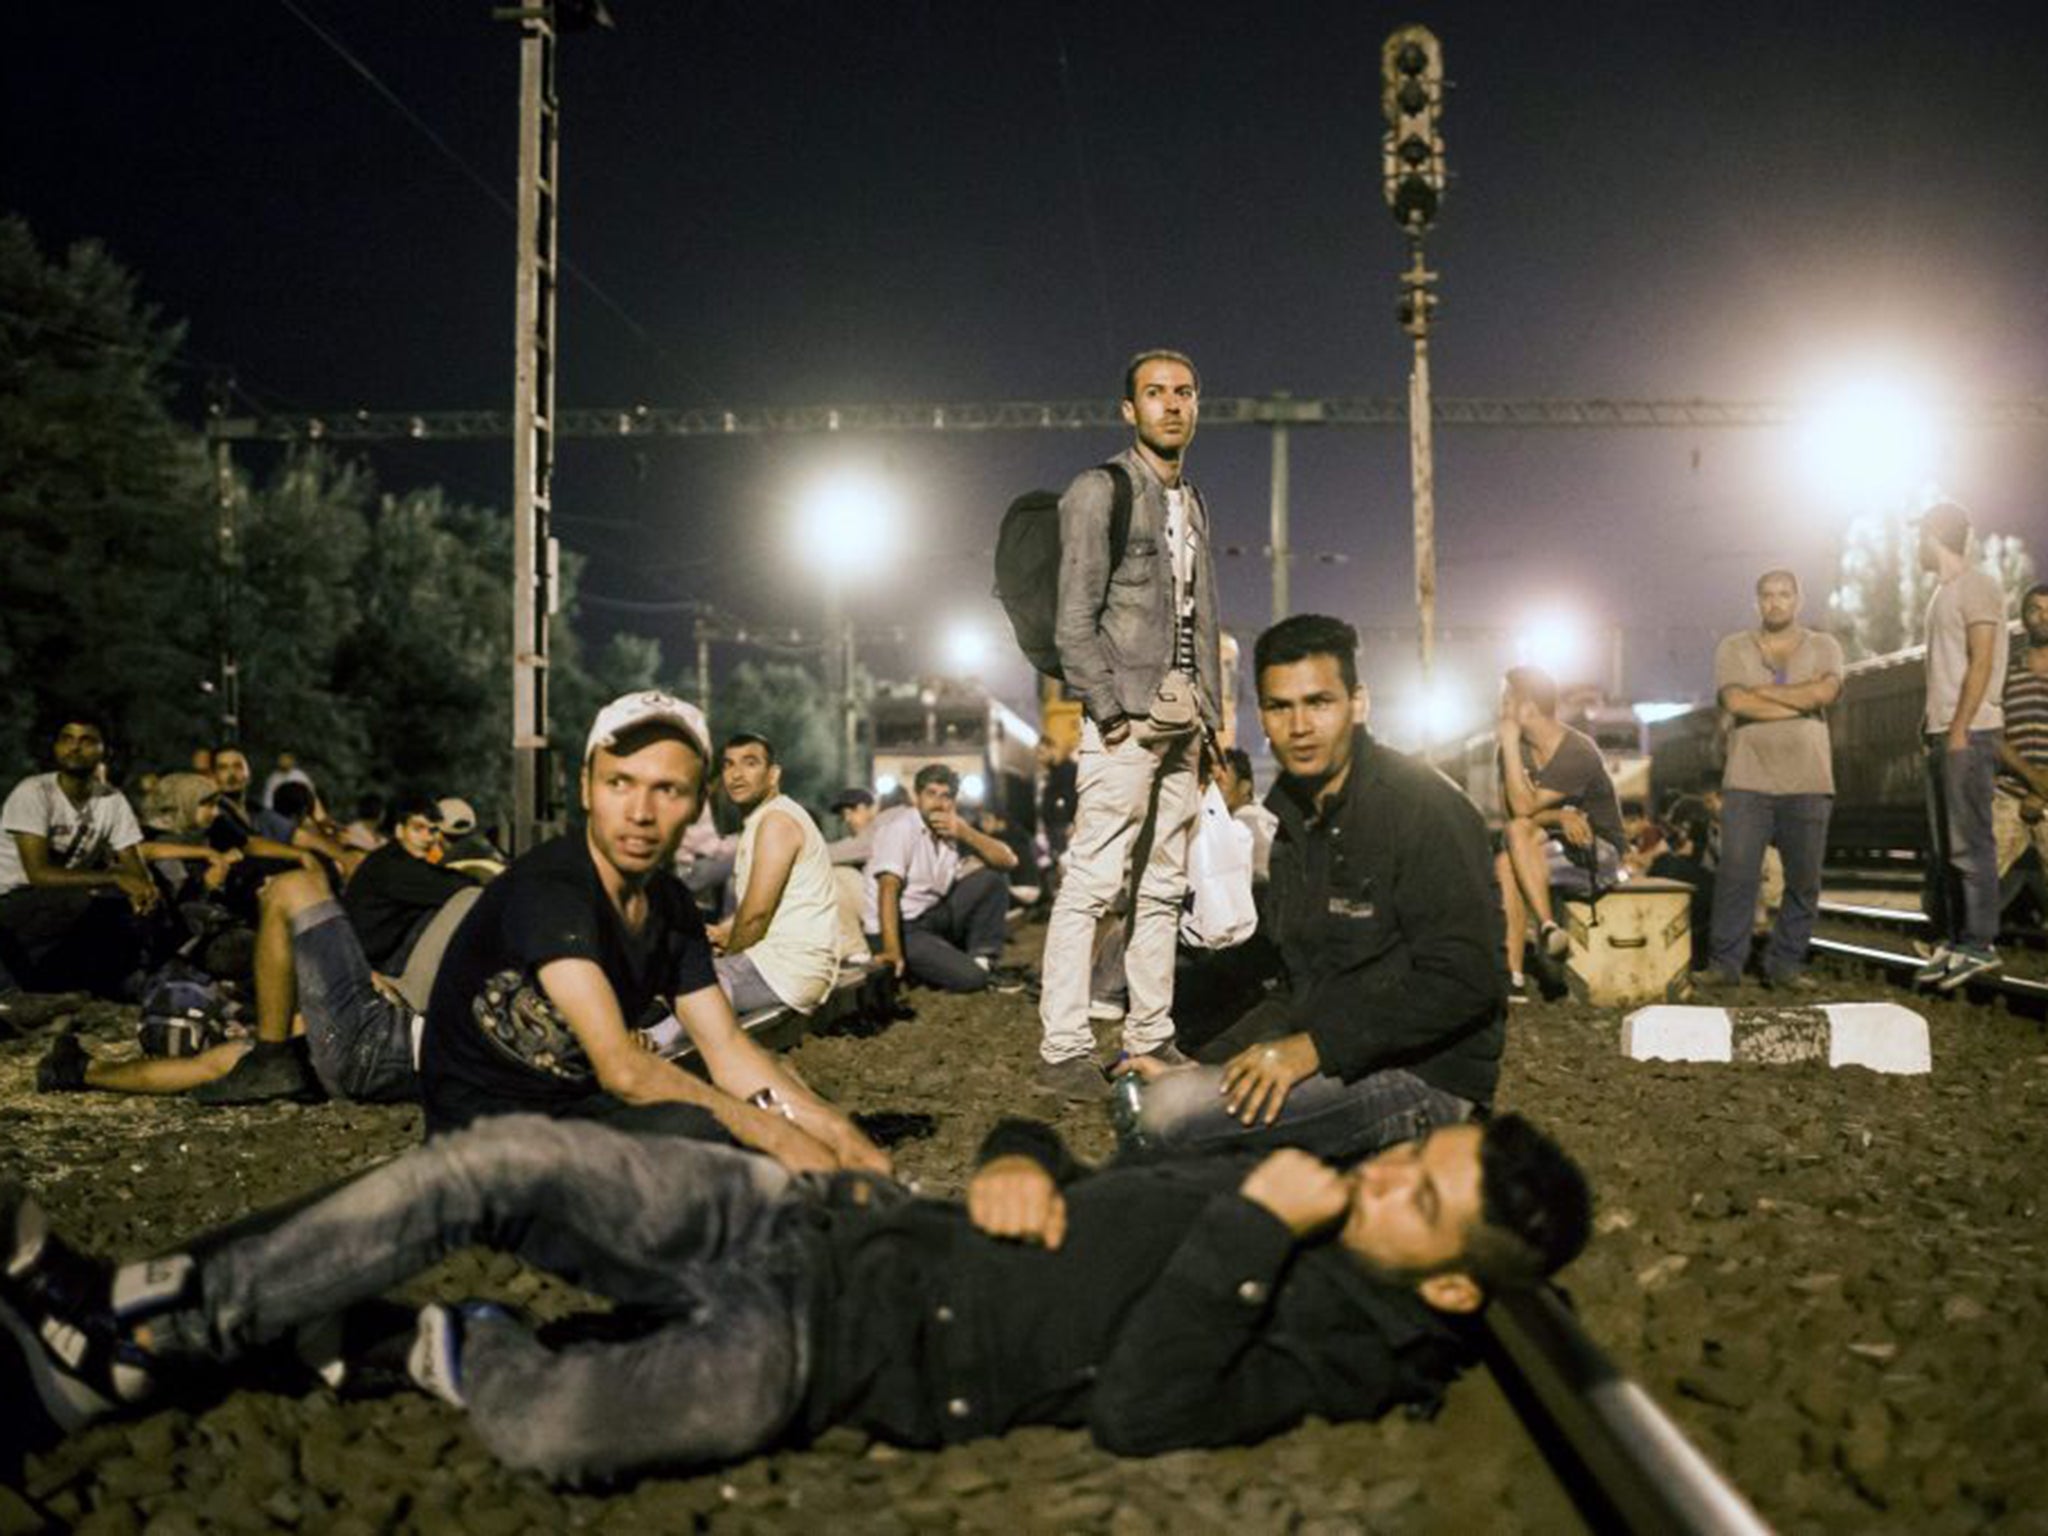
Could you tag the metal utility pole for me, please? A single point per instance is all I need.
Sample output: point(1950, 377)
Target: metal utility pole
point(534, 559)
point(1282, 553)
point(228, 558)
point(1411, 94)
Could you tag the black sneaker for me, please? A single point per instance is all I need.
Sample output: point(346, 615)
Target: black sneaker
point(1007, 979)
point(270, 1069)
point(64, 1300)
point(62, 1069)
point(41, 1401)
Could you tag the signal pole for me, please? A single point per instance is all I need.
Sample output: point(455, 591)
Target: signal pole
point(1412, 173)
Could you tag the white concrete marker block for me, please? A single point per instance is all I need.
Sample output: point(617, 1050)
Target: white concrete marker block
point(1884, 1037)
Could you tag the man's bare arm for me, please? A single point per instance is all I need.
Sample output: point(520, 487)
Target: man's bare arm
point(776, 846)
point(889, 908)
point(992, 851)
point(1980, 638)
point(583, 995)
point(738, 1065)
point(1750, 704)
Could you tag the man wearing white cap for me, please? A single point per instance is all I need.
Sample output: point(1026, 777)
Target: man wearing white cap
point(590, 938)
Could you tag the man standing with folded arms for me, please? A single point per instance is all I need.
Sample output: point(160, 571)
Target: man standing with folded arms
point(1138, 643)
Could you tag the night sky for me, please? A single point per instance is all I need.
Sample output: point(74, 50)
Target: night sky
point(801, 203)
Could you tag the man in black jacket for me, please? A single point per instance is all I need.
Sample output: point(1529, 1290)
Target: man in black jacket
point(1384, 911)
point(1205, 1302)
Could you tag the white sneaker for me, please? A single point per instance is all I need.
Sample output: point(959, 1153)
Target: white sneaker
point(435, 1362)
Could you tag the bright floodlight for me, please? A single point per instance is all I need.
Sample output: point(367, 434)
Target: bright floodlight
point(1440, 712)
point(1556, 642)
point(1871, 445)
point(972, 787)
point(848, 524)
point(887, 784)
point(966, 648)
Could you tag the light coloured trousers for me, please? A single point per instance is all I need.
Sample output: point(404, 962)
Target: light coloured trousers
point(1135, 800)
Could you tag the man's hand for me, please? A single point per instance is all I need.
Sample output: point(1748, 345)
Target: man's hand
point(1117, 734)
point(1959, 739)
point(1577, 830)
point(945, 824)
point(852, 1147)
point(1257, 1080)
point(1146, 1067)
point(140, 890)
point(1299, 1188)
point(1015, 1197)
point(720, 934)
point(796, 1151)
point(892, 958)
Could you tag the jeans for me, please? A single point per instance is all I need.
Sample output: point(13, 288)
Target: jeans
point(1963, 881)
point(744, 988)
point(1136, 803)
point(706, 1241)
point(360, 1040)
point(941, 943)
point(1752, 821)
point(1181, 1113)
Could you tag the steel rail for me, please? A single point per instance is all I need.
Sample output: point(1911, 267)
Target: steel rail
point(1627, 1466)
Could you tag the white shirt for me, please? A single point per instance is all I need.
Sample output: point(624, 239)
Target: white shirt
point(799, 954)
point(904, 846)
point(87, 837)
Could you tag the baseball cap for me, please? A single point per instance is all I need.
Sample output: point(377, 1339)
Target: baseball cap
point(648, 707)
point(458, 816)
point(850, 797)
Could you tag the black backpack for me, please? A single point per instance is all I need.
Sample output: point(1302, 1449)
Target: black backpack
point(1028, 564)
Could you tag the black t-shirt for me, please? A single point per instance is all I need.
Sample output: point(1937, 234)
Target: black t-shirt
point(389, 900)
point(1575, 771)
point(549, 905)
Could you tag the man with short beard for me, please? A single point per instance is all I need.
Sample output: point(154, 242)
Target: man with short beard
point(588, 940)
point(72, 881)
point(2016, 811)
point(1775, 682)
point(1138, 644)
point(780, 948)
point(1206, 1302)
point(1390, 1016)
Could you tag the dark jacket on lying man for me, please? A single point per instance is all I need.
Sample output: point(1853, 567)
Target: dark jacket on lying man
point(1388, 925)
point(1204, 1302)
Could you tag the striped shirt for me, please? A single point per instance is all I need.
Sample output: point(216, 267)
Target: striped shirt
point(2026, 721)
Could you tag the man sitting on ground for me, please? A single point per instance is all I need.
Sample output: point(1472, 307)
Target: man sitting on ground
point(923, 915)
point(1209, 1302)
point(590, 938)
point(781, 947)
point(72, 882)
point(339, 986)
point(1392, 1017)
point(1563, 829)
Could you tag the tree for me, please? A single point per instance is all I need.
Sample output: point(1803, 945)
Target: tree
point(106, 549)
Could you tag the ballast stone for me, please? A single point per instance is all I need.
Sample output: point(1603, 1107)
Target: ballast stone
point(1884, 1037)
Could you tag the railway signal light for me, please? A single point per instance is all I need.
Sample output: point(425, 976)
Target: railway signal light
point(1412, 96)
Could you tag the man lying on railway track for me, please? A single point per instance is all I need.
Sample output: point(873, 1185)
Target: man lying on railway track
point(1204, 1302)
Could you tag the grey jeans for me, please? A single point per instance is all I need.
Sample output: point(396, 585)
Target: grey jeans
point(705, 1241)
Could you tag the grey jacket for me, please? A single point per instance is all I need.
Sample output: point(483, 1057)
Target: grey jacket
point(1115, 628)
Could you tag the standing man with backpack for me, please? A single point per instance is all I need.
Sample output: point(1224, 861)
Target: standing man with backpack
point(1135, 631)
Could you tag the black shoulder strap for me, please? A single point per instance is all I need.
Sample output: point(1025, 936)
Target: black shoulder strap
point(1119, 511)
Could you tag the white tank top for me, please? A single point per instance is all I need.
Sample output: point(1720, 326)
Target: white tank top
point(799, 955)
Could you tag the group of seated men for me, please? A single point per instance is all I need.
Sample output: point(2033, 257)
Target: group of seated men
point(774, 1280)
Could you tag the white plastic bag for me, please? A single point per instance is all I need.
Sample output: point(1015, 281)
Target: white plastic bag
point(1220, 911)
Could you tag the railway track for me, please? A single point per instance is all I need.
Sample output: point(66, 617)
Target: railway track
point(1878, 926)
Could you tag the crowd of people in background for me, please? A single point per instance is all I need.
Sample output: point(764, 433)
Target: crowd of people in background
point(575, 1022)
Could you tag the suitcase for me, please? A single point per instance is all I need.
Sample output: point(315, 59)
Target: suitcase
point(1632, 946)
